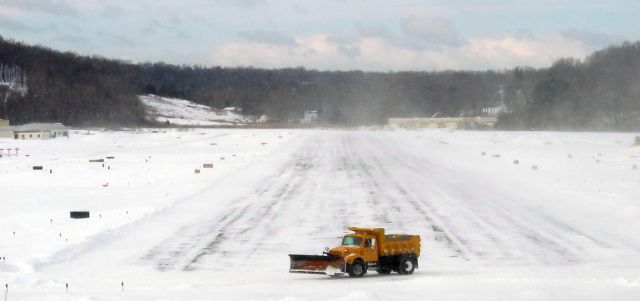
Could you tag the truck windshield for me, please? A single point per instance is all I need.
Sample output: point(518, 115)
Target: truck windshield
point(351, 241)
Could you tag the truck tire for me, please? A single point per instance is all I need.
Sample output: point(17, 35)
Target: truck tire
point(384, 271)
point(406, 265)
point(357, 269)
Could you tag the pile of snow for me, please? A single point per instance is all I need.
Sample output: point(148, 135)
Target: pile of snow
point(183, 112)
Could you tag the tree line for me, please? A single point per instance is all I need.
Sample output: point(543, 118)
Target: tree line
point(601, 92)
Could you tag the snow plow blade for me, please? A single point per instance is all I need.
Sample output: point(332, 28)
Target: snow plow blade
point(316, 264)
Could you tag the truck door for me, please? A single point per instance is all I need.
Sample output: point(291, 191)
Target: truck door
point(370, 249)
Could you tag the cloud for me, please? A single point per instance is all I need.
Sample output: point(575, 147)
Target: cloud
point(417, 33)
point(72, 39)
point(388, 35)
point(430, 33)
point(524, 34)
point(54, 7)
point(297, 8)
point(13, 25)
point(115, 39)
point(372, 30)
point(168, 28)
point(592, 39)
point(111, 11)
point(327, 52)
point(268, 37)
point(242, 3)
point(315, 50)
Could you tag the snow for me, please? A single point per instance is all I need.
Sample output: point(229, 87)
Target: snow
point(491, 229)
point(183, 112)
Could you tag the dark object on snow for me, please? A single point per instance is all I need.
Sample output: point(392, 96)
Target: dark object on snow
point(110, 157)
point(207, 165)
point(37, 168)
point(96, 160)
point(516, 162)
point(79, 214)
point(197, 171)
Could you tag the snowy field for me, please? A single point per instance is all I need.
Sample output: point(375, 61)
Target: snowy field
point(566, 229)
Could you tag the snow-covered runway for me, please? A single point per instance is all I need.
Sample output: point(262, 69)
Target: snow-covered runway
point(525, 216)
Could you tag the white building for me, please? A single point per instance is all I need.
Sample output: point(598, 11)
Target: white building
point(444, 122)
point(310, 117)
point(39, 131)
point(500, 107)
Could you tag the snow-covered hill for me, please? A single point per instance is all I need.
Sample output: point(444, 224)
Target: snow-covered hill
point(183, 112)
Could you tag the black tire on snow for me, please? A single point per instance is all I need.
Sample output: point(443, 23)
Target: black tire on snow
point(384, 271)
point(357, 269)
point(406, 265)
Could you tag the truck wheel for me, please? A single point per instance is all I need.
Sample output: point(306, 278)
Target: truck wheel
point(356, 269)
point(384, 271)
point(406, 265)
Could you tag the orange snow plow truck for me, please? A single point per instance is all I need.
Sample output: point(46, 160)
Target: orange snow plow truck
point(364, 249)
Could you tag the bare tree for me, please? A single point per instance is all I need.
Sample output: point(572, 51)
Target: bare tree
point(12, 80)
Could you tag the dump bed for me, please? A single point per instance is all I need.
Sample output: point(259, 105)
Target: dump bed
point(396, 244)
point(392, 244)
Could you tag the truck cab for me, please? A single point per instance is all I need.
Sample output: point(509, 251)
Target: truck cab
point(358, 245)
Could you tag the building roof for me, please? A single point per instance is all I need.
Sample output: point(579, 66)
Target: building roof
point(35, 127)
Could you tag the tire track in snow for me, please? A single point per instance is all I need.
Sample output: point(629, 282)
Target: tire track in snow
point(491, 219)
point(431, 220)
point(258, 225)
point(468, 208)
point(249, 226)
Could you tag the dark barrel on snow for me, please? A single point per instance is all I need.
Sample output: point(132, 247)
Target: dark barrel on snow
point(79, 214)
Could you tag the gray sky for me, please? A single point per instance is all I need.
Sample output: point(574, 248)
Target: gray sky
point(326, 34)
